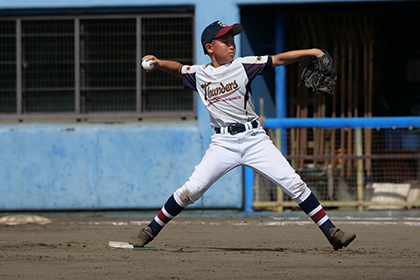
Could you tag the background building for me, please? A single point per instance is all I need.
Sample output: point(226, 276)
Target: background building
point(84, 127)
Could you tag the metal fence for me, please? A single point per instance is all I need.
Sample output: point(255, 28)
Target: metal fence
point(369, 164)
point(89, 66)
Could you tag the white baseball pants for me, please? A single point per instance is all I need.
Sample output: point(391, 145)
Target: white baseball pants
point(251, 148)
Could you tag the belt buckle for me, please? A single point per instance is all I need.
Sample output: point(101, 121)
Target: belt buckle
point(236, 128)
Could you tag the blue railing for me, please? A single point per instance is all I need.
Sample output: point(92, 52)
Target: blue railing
point(376, 122)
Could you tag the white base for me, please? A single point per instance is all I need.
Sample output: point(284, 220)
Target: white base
point(119, 244)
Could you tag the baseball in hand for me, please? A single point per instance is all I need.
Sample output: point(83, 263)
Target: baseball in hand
point(146, 65)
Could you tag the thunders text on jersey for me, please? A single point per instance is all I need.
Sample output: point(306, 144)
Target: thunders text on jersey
point(223, 89)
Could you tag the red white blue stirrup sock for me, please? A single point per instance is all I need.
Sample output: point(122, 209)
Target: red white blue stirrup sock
point(314, 210)
point(166, 214)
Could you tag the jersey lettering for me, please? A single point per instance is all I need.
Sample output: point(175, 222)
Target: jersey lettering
point(210, 93)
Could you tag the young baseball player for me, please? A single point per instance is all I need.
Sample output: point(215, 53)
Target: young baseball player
point(239, 139)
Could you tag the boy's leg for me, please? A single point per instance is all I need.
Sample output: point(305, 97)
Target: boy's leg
point(276, 168)
point(216, 162)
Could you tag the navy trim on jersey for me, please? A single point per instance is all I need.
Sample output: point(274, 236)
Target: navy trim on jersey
point(269, 62)
point(188, 81)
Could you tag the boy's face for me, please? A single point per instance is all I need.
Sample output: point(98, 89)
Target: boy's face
point(223, 49)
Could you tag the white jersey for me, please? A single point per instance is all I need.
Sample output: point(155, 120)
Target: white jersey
point(226, 90)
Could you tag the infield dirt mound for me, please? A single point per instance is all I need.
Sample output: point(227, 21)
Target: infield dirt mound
point(211, 248)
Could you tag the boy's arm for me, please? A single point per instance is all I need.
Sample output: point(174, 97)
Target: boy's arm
point(294, 56)
point(171, 67)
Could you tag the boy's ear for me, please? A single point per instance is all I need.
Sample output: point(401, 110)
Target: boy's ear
point(209, 48)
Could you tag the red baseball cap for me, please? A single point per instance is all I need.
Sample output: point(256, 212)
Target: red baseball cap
point(216, 30)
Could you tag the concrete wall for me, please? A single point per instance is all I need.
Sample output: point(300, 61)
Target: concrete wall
point(91, 166)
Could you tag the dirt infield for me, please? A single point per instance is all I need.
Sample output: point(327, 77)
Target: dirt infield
point(211, 248)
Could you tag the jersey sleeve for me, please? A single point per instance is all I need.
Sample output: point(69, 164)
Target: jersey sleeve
point(255, 65)
point(189, 77)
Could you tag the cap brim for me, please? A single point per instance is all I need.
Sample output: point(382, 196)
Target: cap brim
point(235, 28)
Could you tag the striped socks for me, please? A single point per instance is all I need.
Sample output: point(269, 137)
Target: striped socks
point(314, 210)
point(310, 206)
point(166, 214)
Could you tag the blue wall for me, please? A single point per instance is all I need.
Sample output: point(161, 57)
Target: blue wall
point(91, 166)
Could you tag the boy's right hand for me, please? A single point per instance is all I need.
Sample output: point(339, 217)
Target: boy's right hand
point(152, 61)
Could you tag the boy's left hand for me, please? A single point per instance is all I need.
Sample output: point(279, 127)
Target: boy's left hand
point(320, 74)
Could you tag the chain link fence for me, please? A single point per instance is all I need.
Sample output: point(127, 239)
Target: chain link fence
point(374, 169)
